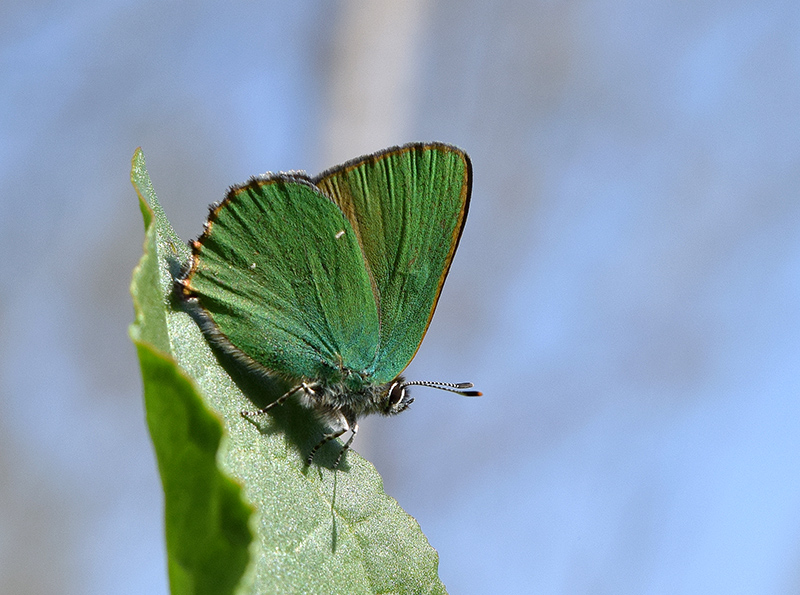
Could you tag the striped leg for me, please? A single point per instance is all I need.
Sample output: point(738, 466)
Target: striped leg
point(325, 439)
point(347, 444)
point(279, 401)
point(344, 425)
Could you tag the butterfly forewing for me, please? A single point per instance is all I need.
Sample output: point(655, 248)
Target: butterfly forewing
point(280, 272)
point(407, 206)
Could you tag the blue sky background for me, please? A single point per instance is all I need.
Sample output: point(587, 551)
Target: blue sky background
point(626, 293)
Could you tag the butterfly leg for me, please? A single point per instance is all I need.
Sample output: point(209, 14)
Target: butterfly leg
point(354, 431)
point(325, 439)
point(343, 421)
point(279, 401)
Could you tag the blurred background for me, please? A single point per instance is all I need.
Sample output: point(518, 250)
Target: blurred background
point(626, 293)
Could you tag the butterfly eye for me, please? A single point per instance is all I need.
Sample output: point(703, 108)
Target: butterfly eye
point(396, 393)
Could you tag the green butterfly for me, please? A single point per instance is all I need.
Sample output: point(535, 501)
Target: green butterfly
point(331, 282)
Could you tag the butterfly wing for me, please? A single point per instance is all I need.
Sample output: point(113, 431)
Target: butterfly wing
point(279, 273)
point(407, 206)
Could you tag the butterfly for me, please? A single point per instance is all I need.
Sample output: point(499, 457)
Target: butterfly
point(330, 282)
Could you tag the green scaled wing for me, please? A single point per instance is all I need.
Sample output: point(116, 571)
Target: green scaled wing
point(407, 206)
point(280, 274)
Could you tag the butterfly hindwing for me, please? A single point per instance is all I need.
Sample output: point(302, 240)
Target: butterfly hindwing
point(407, 206)
point(280, 273)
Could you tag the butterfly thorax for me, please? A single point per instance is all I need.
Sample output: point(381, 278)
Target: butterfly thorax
point(355, 392)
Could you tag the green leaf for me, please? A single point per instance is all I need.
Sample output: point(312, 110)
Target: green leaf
point(206, 519)
point(314, 530)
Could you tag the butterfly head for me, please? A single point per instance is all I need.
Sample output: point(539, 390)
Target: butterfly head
point(398, 398)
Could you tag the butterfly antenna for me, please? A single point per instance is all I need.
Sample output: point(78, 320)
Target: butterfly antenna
point(452, 387)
